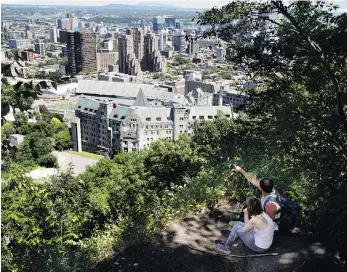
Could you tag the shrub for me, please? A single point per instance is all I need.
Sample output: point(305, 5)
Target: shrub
point(48, 160)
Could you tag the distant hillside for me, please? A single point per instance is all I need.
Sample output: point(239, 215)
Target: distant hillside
point(143, 6)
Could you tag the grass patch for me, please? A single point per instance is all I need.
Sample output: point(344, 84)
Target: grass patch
point(87, 155)
point(63, 105)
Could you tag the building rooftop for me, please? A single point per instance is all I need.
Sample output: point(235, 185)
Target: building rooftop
point(125, 90)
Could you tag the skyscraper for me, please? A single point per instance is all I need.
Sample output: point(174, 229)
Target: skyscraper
point(159, 23)
point(53, 35)
point(40, 48)
point(138, 52)
point(192, 48)
point(74, 23)
point(64, 23)
point(128, 63)
point(170, 21)
point(179, 25)
point(161, 40)
point(81, 48)
point(153, 60)
point(179, 42)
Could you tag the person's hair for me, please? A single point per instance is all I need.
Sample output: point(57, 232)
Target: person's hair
point(254, 207)
point(266, 184)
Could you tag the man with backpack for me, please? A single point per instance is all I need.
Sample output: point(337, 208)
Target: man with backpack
point(285, 213)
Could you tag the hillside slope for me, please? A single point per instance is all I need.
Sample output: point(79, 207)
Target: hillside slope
point(189, 245)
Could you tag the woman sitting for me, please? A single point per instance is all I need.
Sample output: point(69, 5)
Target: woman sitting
point(257, 233)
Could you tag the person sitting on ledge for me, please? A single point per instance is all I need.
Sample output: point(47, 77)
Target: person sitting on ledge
point(256, 232)
point(285, 213)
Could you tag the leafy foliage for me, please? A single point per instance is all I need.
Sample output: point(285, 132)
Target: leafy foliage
point(297, 116)
point(7, 129)
point(292, 129)
point(48, 160)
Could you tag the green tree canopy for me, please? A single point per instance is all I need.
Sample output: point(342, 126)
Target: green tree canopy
point(300, 104)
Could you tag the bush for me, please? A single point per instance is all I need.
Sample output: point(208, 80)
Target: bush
point(48, 160)
point(62, 140)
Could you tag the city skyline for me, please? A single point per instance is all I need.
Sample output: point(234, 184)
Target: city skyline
point(206, 4)
point(187, 3)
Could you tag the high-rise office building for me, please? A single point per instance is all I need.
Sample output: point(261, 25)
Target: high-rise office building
point(179, 42)
point(170, 21)
point(62, 36)
point(64, 51)
point(192, 48)
point(74, 23)
point(220, 53)
point(53, 35)
point(40, 48)
point(179, 25)
point(81, 51)
point(159, 23)
point(69, 15)
point(108, 45)
point(64, 23)
point(70, 23)
point(161, 40)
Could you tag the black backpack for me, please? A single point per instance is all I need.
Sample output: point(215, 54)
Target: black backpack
point(291, 212)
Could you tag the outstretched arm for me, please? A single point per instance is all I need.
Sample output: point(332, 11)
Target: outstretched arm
point(249, 176)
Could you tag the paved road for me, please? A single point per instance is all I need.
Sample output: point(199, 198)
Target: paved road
point(66, 161)
point(78, 163)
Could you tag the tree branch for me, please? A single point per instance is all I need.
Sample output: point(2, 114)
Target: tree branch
point(319, 52)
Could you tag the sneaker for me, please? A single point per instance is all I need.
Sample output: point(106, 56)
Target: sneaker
point(223, 248)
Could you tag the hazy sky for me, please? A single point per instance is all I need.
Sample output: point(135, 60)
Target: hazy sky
point(185, 3)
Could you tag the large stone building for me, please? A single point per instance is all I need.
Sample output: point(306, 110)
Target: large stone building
point(81, 51)
point(219, 90)
point(107, 127)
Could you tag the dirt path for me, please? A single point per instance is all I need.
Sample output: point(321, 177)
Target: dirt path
point(183, 247)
